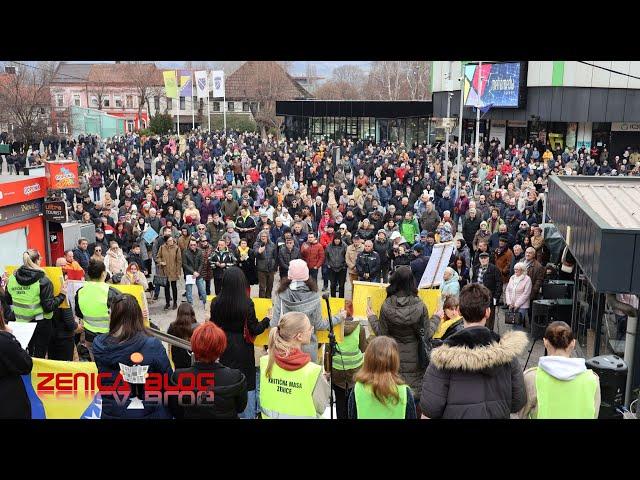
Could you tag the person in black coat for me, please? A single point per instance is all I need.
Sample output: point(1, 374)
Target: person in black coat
point(62, 341)
point(488, 275)
point(235, 313)
point(14, 361)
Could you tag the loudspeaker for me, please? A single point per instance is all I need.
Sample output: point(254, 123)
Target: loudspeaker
point(612, 371)
point(554, 289)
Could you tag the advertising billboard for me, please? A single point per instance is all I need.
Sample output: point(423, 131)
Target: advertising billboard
point(497, 85)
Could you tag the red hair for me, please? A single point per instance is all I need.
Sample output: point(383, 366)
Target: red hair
point(208, 342)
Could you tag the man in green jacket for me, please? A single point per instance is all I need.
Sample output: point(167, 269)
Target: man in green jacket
point(409, 228)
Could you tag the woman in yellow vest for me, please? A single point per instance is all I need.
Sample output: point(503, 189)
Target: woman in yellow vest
point(347, 360)
point(291, 385)
point(561, 386)
point(30, 293)
point(379, 392)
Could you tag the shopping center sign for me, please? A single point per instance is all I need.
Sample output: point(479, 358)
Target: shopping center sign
point(625, 127)
point(22, 190)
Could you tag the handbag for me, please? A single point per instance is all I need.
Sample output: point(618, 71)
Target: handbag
point(512, 317)
point(160, 280)
point(423, 351)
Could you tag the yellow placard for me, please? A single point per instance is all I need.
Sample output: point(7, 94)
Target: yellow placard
point(378, 294)
point(136, 291)
point(54, 274)
point(264, 304)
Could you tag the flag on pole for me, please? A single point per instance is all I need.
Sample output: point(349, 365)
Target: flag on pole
point(218, 83)
point(202, 83)
point(186, 83)
point(170, 84)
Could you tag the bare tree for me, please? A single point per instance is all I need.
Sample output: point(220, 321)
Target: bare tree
point(25, 99)
point(346, 83)
point(418, 76)
point(145, 78)
point(98, 84)
point(266, 82)
point(399, 80)
point(351, 74)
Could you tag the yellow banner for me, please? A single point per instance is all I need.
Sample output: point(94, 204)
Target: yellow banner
point(378, 293)
point(264, 304)
point(170, 83)
point(138, 292)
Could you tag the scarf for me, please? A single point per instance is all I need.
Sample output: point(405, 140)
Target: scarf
point(244, 252)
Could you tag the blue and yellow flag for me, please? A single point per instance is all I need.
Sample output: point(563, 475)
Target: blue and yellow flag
point(66, 390)
point(170, 83)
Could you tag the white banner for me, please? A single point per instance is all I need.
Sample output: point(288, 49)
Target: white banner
point(202, 83)
point(217, 83)
point(625, 127)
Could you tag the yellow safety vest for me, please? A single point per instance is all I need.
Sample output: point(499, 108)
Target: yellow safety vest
point(26, 301)
point(92, 300)
point(288, 394)
point(566, 399)
point(369, 407)
point(349, 356)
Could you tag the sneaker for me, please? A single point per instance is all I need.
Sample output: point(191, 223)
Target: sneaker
point(155, 297)
point(167, 306)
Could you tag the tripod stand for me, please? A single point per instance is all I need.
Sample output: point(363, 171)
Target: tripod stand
point(333, 347)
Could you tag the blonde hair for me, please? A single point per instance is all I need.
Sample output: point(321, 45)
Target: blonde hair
point(280, 338)
point(31, 259)
point(380, 369)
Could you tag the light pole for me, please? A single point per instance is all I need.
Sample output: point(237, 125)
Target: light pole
point(460, 127)
point(447, 129)
point(478, 111)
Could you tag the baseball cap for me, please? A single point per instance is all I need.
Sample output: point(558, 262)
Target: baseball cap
point(343, 225)
point(483, 255)
point(424, 233)
point(99, 230)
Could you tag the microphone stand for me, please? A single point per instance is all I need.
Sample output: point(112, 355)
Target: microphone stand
point(332, 347)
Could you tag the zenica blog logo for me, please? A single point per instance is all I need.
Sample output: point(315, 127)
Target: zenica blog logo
point(133, 387)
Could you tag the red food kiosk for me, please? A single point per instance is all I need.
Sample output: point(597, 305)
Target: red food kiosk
point(22, 223)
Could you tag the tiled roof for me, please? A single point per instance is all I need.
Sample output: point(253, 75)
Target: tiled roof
point(123, 73)
point(240, 84)
point(71, 72)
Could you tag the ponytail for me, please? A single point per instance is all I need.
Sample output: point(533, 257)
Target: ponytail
point(31, 259)
point(280, 337)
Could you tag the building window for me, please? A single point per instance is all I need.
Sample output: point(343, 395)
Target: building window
point(245, 107)
point(230, 106)
point(216, 106)
point(169, 103)
point(201, 104)
point(156, 103)
point(118, 101)
point(130, 126)
point(59, 100)
point(41, 110)
point(183, 103)
point(76, 100)
point(106, 101)
point(94, 102)
point(129, 100)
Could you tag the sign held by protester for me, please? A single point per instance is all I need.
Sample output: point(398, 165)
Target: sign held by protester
point(438, 262)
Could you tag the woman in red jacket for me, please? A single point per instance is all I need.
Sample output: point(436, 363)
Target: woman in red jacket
point(95, 180)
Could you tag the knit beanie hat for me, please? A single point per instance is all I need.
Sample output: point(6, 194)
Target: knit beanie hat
point(298, 270)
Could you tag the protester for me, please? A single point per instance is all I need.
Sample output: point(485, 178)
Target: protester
point(445, 322)
point(234, 312)
point(487, 274)
point(288, 364)
point(518, 292)
point(30, 293)
point(402, 317)
point(169, 260)
point(14, 362)
point(128, 343)
point(475, 373)
point(450, 284)
point(561, 386)
point(379, 391)
point(229, 389)
point(182, 327)
point(335, 254)
point(266, 263)
point(299, 293)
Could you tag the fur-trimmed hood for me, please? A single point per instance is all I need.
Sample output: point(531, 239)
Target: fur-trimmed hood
point(478, 349)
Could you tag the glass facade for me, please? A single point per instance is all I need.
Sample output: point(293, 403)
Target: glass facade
point(407, 130)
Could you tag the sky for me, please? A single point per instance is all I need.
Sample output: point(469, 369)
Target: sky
point(323, 68)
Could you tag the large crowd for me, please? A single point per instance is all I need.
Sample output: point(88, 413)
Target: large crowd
point(225, 212)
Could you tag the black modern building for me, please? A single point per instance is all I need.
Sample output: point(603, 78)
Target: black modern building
point(393, 121)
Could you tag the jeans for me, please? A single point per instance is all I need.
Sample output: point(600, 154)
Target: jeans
point(96, 194)
point(325, 276)
point(201, 291)
point(258, 390)
point(313, 273)
point(250, 411)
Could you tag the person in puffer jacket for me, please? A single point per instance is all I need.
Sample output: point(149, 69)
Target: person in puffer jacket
point(475, 373)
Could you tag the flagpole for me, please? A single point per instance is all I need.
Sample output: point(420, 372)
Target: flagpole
point(460, 127)
point(178, 102)
point(224, 102)
point(208, 103)
point(478, 111)
point(193, 114)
